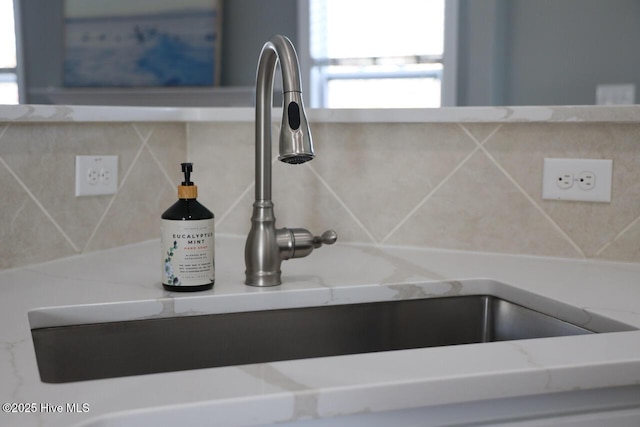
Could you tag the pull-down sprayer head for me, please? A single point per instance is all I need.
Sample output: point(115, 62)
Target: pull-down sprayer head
point(296, 145)
point(295, 137)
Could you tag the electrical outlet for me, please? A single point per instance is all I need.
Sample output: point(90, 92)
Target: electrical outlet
point(565, 181)
point(587, 180)
point(616, 94)
point(96, 175)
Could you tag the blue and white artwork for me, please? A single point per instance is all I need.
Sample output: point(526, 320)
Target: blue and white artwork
point(141, 43)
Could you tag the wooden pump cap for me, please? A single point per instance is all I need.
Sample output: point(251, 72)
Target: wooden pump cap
point(187, 191)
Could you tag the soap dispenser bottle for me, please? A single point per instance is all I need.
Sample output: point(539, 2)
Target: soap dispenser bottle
point(188, 241)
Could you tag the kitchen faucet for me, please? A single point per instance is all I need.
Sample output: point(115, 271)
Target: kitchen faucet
point(266, 246)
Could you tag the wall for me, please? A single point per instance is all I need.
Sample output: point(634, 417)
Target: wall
point(581, 46)
point(468, 186)
point(248, 25)
point(545, 52)
point(481, 53)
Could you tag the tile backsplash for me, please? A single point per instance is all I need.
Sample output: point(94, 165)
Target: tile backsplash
point(468, 186)
point(40, 217)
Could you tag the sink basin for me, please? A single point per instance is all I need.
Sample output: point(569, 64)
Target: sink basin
point(116, 349)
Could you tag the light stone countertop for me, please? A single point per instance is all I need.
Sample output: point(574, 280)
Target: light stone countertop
point(124, 283)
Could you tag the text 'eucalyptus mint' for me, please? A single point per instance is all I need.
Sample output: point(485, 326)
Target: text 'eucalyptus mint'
point(188, 241)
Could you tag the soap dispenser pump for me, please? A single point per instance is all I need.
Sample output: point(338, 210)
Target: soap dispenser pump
point(188, 241)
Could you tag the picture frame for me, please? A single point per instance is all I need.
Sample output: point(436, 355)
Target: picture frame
point(144, 43)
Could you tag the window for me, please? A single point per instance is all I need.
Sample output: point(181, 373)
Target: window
point(8, 59)
point(376, 54)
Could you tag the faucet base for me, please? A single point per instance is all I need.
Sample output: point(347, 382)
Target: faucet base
point(261, 253)
point(263, 280)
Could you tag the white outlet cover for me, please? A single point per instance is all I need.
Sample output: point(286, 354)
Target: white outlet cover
point(616, 94)
point(602, 170)
point(88, 168)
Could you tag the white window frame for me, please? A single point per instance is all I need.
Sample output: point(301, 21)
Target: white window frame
point(315, 83)
point(15, 74)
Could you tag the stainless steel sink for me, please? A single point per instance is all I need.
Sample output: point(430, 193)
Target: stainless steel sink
point(116, 349)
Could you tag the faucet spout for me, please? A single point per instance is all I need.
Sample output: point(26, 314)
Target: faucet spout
point(296, 145)
point(266, 246)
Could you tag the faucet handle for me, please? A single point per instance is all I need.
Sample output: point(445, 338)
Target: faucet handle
point(329, 237)
point(298, 242)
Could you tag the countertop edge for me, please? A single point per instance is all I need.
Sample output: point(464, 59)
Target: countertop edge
point(66, 113)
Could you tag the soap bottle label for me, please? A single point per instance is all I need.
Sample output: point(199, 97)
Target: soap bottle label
point(188, 249)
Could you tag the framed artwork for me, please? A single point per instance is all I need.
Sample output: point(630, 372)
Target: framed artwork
point(142, 43)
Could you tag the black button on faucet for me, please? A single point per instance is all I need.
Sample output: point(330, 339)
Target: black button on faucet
point(293, 111)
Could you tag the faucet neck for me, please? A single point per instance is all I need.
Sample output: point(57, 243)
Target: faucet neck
point(277, 49)
point(266, 246)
